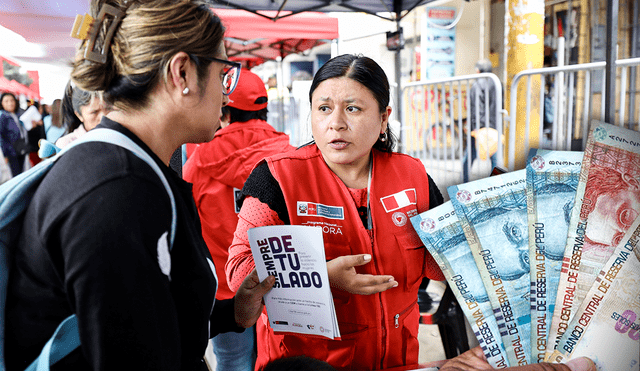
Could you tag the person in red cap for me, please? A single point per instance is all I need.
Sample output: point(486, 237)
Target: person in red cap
point(218, 170)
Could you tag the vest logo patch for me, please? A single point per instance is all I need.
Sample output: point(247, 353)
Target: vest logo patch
point(325, 211)
point(399, 218)
point(399, 200)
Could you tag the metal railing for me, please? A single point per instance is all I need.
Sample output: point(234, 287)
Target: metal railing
point(435, 126)
point(574, 95)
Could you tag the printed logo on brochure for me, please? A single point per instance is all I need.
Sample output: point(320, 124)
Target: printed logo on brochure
point(427, 225)
point(311, 327)
point(537, 162)
point(323, 330)
point(296, 325)
point(463, 196)
point(599, 133)
point(324, 211)
point(399, 200)
point(399, 219)
point(285, 323)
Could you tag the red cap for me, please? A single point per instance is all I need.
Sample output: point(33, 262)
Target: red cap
point(250, 93)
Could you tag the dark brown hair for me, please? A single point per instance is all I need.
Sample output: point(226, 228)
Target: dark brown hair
point(368, 73)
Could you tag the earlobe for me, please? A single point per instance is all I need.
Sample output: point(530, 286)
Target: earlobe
point(385, 119)
point(178, 67)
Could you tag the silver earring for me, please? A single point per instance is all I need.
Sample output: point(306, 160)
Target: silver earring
point(383, 137)
point(185, 91)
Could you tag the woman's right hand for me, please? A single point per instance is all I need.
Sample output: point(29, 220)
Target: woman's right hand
point(343, 276)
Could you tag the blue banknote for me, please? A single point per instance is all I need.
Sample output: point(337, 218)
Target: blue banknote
point(441, 233)
point(552, 179)
point(493, 215)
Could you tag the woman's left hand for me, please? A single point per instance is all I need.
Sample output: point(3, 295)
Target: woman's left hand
point(248, 300)
point(342, 275)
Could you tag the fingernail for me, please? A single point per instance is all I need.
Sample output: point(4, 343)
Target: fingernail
point(366, 257)
point(581, 364)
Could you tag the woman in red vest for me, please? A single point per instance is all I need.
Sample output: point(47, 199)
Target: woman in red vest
point(366, 194)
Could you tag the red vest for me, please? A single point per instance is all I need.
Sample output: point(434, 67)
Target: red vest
point(380, 330)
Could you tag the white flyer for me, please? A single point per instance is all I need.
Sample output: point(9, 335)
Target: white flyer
point(30, 115)
point(300, 300)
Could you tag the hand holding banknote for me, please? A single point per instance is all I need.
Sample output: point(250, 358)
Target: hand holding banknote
point(343, 276)
point(474, 359)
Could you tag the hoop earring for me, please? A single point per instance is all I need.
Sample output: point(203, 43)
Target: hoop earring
point(185, 91)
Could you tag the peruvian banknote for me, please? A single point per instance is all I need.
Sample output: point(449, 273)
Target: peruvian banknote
point(606, 326)
point(441, 233)
point(607, 202)
point(552, 179)
point(493, 215)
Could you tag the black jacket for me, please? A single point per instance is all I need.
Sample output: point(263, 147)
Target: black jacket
point(91, 243)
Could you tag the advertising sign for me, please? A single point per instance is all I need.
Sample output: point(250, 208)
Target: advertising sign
point(438, 43)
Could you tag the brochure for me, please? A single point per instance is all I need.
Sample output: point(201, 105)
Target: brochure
point(30, 115)
point(300, 300)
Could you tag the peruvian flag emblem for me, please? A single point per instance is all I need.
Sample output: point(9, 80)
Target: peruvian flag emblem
point(399, 200)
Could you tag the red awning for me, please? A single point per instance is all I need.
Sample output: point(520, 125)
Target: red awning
point(4, 85)
point(250, 37)
point(253, 39)
point(16, 88)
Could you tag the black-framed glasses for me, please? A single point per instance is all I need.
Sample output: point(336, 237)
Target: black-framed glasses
point(230, 77)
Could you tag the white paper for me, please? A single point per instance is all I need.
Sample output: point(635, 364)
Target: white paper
point(301, 300)
point(31, 114)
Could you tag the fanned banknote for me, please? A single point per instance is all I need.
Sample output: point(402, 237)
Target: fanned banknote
point(606, 326)
point(607, 203)
point(441, 233)
point(552, 179)
point(493, 215)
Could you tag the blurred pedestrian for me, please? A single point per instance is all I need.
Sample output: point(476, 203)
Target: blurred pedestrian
point(35, 133)
point(82, 111)
point(13, 134)
point(53, 126)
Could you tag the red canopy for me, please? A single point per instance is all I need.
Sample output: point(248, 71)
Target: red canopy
point(32, 91)
point(250, 37)
point(253, 38)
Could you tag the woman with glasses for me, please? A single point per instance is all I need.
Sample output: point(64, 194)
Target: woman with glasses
point(97, 240)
